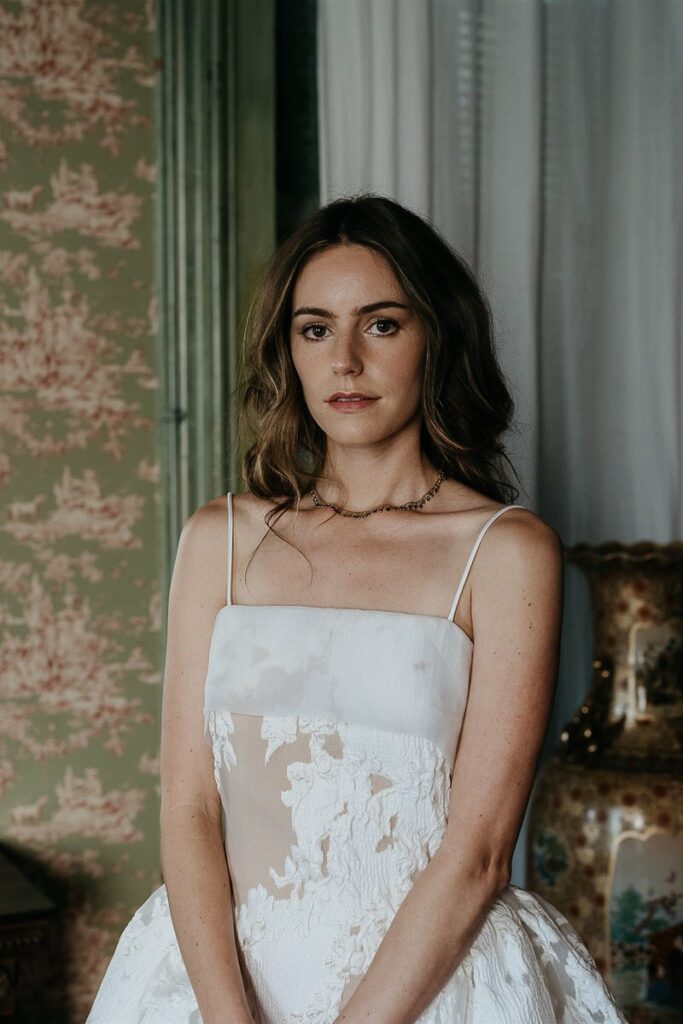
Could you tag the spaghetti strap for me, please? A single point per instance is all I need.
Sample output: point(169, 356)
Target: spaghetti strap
point(228, 585)
point(468, 563)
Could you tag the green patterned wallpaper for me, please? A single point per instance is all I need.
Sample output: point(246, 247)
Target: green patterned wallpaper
point(80, 600)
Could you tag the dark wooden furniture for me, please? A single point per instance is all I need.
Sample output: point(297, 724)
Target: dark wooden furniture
point(26, 917)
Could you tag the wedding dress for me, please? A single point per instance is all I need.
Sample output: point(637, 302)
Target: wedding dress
point(334, 733)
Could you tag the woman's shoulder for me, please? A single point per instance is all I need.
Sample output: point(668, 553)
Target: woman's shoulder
point(204, 530)
point(517, 538)
point(242, 500)
point(521, 549)
point(517, 519)
point(210, 519)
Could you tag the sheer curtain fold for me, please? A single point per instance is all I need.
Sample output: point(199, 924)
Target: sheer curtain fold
point(543, 138)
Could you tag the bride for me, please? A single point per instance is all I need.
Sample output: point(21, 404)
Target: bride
point(355, 698)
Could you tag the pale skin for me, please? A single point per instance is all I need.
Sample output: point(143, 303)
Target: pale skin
point(511, 607)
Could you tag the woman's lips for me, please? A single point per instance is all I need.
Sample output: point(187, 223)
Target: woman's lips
point(350, 404)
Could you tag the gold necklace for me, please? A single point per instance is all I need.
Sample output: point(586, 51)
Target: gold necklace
point(409, 505)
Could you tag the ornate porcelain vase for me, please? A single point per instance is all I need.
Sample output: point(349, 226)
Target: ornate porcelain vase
point(605, 840)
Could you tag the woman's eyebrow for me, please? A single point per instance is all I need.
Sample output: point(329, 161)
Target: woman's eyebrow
point(317, 311)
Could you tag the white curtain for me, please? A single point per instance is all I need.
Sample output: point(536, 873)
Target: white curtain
point(543, 138)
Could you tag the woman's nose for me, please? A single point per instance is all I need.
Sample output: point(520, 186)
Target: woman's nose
point(346, 351)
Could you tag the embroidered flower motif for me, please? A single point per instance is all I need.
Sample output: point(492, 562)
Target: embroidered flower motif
point(220, 727)
point(343, 829)
point(278, 730)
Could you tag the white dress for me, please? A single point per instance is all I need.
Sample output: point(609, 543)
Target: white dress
point(334, 733)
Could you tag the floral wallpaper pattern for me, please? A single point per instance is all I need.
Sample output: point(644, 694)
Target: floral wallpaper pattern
point(80, 604)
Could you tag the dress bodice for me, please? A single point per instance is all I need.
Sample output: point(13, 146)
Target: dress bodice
point(393, 671)
point(398, 671)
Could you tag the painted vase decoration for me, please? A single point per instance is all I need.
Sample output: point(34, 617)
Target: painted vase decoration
point(605, 839)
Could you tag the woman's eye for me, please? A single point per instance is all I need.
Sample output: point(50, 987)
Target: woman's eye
point(384, 320)
point(312, 327)
point(321, 327)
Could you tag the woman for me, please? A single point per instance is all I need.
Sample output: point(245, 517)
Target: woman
point(339, 848)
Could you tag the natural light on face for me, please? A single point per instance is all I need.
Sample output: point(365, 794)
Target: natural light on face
point(353, 330)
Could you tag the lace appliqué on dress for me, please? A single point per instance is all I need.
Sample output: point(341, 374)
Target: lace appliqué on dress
point(368, 809)
point(367, 819)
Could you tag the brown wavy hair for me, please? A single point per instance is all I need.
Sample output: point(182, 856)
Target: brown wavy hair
point(466, 405)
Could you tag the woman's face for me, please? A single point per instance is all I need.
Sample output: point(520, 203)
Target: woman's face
point(337, 345)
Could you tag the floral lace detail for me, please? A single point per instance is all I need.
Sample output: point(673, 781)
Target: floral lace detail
point(328, 818)
point(366, 819)
point(278, 731)
point(220, 726)
point(356, 854)
point(328, 826)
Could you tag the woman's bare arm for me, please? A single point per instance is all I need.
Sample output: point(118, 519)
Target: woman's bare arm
point(516, 612)
point(192, 853)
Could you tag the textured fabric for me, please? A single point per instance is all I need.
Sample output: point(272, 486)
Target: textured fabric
point(334, 733)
